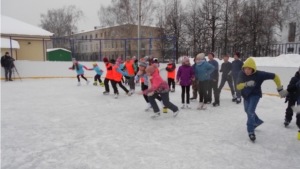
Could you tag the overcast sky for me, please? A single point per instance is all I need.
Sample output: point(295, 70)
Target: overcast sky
point(29, 10)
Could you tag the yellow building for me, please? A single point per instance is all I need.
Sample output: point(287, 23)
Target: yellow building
point(31, 39)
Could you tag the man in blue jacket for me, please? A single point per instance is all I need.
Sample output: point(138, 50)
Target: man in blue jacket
point(202, 72)
point(237, 65)
point(214, 80)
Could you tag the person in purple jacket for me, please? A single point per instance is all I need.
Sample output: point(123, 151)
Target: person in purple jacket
point(185, 75)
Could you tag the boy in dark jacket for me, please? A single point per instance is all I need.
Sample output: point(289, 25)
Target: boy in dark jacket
point(214, 80)
point(292, 98)
point(7, 62)
point(237, 65)
point(249, 82)
point(226, 68)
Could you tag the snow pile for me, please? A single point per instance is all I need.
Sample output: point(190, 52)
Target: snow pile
point(15, 27)
point(54, 49)
point(5, 44)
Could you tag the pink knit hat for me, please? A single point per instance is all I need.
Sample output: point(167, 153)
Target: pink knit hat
point(150, 69)
point(133, 58)
point(119, 60)
point(185, 59)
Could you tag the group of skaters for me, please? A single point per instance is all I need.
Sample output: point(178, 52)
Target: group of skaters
point(203, 76)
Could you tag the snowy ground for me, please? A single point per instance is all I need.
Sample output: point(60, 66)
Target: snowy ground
point(53, 124)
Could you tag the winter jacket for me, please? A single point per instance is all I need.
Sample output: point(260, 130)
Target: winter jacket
point(203, 70)
point(258, 76)
point(80, 70)
point(7, 61)
point(236, 67)
point(226, 67)
point(97, 70)
point(145, 77)
point(171, 67)
point(292, 87)
point(215, 74)
point(157, 84)
point(109, 72)
point(185, 74)
point(131, 68)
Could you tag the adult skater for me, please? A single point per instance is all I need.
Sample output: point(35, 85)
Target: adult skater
point(158, 87)
point(80, 72)
point(214, 81)
point(203, 71)
point(171, 69)
point(237, 65)
point(249, 82)
point(98, 75)
point(226, 68)
point(109, 75)
point(292, 99)
point(7, 62)
point(185, 75)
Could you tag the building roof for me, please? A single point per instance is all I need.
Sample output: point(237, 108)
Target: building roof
point(11, 26)
point(5, 44)
point(54, 49)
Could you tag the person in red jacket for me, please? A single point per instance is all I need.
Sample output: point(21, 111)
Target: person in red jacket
point(109, 75)
point(117, 77)
point(171, 69)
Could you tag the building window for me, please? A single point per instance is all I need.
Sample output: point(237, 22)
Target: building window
point(101, 35)
point(96, 46)
point(86, 47)
point(112, 33)
point(292, 31)
point(104, 34)
point(143, 33)
point(91, 48)
point(96, 36)
point(116, 44)
point(151, 33)
point(121, 44)
point(117, 33)
point(85, 36)
point(82, 37)
point(112, 44)
point(91, 37)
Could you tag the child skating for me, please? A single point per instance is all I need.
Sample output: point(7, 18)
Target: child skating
point(80, 72)
point(185, 75)
point(109, 75)
point(171, 69)
point(98, 75)
point(158, 87)
point(249, 82)
point(117, 78)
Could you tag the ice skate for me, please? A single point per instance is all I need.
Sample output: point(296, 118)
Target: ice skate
point(155, 115)
point(215, 104)
point(106, 93)
point(204, 106)
point(183, 106)
point(95, 84)
point(188, 106)
point(200, 106)
point(238, 100)
point(116, 95)
point(87, 82)
point(176, 113)
point(78, 84)
point(286, 123)
point(252, 137)
point(173, 90)
point(148, 107)
point(234, 98)
point(102, 84)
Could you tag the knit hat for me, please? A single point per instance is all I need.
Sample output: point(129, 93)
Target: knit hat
point(105, 59)
point(200, 56)
point(146, 58)
point(143, 64)
point(133, 58)
point(128, 57)
point(150, 69)
point(119, 60)
point(238, 54)
point(213, 54)
point(95, 64)
point(112, 61)
point(185, 59)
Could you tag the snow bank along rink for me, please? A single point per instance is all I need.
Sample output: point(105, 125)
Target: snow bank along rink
point(52, 123)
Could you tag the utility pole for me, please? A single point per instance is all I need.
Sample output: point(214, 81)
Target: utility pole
point(139, 29)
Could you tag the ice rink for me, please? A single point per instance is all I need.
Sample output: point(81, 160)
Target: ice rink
point(54, 124)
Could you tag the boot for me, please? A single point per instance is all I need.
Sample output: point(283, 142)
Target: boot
point(252, 137)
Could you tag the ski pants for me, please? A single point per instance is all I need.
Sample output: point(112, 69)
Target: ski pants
point(171, 81)
point(229, 80)
point(97, 77)
point(82, 76)
point(165, 99)
point(213, 86)
point(106, 84)
point(114, 85)
point(185, 91)
point(203, 91)
point(144, 87)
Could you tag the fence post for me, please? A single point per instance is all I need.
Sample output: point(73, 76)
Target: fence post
point(11, 54)
point(100, 54)
point(150, 47)
point(125, 46)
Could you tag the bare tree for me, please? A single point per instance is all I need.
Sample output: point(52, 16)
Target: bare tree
point(63, 21)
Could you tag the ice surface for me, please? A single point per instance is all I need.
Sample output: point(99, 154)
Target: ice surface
point(53, 124)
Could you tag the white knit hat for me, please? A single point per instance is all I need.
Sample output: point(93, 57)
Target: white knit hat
point(200, 56)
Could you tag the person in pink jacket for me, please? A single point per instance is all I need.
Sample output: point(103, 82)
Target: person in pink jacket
point(157, 86)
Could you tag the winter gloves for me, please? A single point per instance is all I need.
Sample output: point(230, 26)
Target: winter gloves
point(282, 93)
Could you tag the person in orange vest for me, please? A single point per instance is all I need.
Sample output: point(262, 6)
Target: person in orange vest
point(131, 69)
point(109, 75)
point(117, 77)
point(171, 69)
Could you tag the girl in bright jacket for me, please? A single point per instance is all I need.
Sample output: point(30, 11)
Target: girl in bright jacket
point(202, 71)
point(117, 77)
point(249, 82)
point(142, 75)
point(158, 87)
point(98, 75)
point(185, 75)
point(80, 72)
point(109, 75)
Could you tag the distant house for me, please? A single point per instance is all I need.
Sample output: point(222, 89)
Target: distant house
point(28, 41)
point(58, 54)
